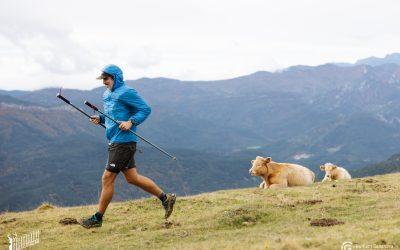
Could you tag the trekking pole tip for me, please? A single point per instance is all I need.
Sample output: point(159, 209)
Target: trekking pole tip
point(174, 158)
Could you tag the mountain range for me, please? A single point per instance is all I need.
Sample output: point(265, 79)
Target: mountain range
point(348, 115)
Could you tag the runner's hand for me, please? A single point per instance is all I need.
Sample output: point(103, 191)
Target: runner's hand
point(125, 125)
point(95, 119)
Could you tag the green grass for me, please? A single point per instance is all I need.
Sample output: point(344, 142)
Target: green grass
point(233, 219)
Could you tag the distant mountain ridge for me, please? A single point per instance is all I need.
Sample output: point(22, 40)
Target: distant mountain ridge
point(393, 58)
point(375, 61)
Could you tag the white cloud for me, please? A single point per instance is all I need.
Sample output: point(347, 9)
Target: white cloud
point(47, 46)
point(68, 42)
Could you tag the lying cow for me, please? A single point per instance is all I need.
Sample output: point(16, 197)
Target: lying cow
point(333, 172)
point(279, 175)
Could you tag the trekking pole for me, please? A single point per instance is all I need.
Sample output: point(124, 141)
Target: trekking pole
point(117, 122)
point(75, 107)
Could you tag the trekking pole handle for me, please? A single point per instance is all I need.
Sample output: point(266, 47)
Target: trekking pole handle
point(91, 105)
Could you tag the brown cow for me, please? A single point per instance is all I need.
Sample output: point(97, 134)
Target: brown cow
point(278, 175)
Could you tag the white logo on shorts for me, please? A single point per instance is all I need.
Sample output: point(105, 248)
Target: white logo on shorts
point(112, 165)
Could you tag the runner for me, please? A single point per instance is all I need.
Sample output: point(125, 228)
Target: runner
point(125, 105)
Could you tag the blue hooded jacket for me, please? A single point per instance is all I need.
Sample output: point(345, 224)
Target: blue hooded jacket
point(122, 103)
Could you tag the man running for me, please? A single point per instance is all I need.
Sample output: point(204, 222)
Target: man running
point(123, 104)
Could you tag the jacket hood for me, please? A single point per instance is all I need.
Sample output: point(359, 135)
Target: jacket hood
point(117, 74)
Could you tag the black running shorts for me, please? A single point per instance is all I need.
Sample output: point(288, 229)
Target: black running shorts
point(121, 156)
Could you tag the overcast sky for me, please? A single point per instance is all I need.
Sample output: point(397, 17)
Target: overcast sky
point(66, 43)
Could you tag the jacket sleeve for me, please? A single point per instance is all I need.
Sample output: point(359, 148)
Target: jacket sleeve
point(102, 119)
point(132, 99)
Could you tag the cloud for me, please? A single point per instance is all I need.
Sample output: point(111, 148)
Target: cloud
point(68, 42)
point(51, 47)
point(143, 59)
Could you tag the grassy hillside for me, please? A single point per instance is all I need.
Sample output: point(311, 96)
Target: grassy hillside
point(367, 210)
